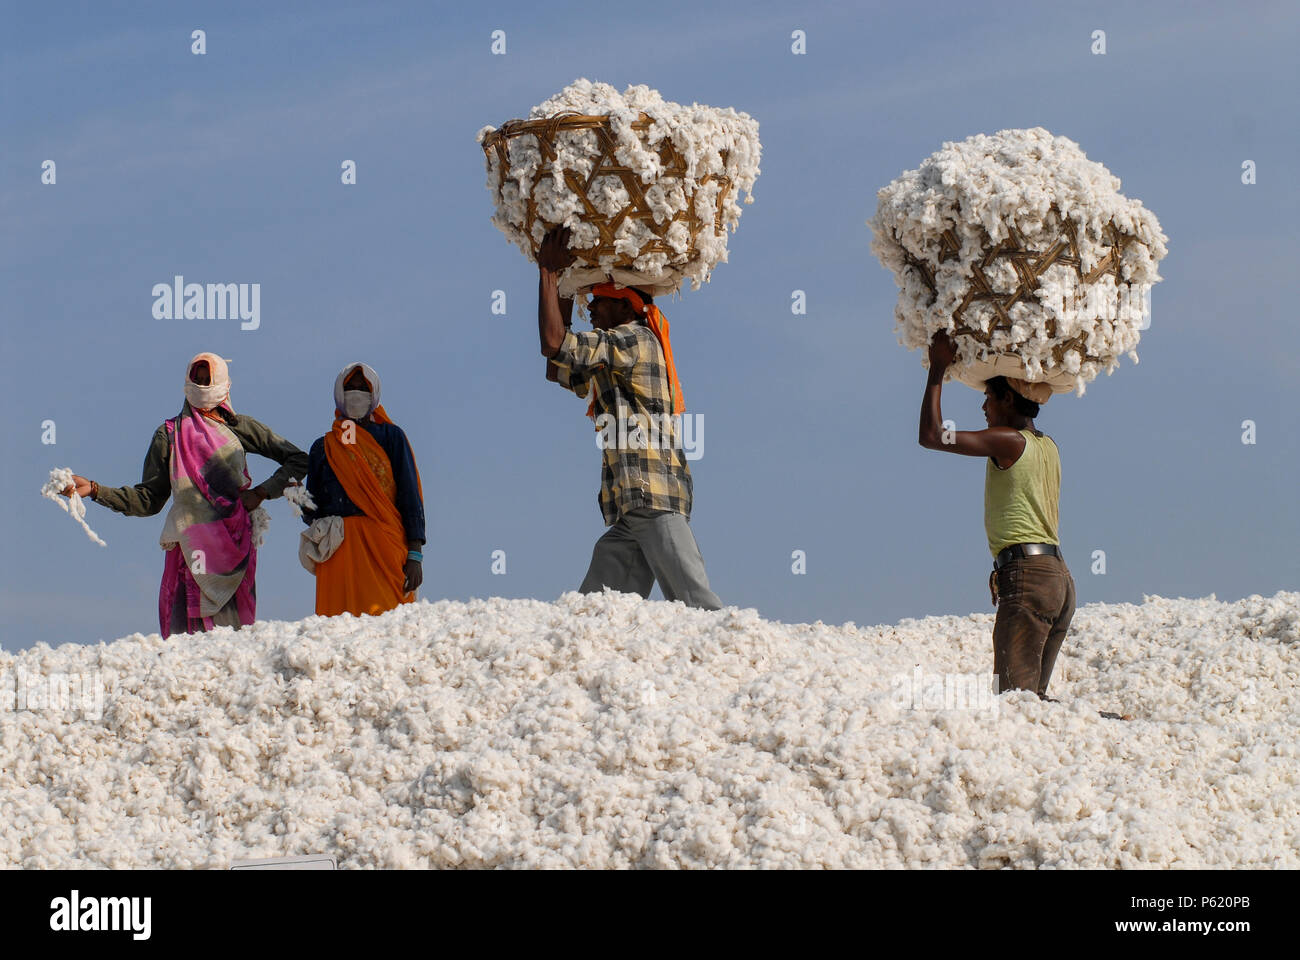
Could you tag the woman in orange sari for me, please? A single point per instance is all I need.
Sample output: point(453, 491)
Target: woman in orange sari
point(364, 482)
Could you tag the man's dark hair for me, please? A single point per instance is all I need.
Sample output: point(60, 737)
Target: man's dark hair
point(1023, 405)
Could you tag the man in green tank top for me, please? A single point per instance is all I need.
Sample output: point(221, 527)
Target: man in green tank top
point(1031, 585)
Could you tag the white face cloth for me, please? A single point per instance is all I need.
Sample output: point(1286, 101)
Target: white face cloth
point(205, 398)
point(217, 391)
point(341, 396)
point(356, 403)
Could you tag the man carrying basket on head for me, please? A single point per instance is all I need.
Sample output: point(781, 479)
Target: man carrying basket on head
point(626, 363)
point(1022, 485)
point(1031, 586)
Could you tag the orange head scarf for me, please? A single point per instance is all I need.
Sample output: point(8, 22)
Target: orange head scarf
point(658, 324)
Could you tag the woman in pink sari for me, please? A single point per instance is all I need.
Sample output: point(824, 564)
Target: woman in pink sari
point(197, 460)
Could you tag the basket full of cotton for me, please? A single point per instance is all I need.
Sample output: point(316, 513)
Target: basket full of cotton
point(1026, 252)
point(648, 187)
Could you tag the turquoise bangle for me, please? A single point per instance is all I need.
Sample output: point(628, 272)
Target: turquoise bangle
point(415, 555)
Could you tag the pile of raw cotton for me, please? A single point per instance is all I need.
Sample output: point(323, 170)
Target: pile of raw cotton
point(935, 224)
point(688, 165)
point(606, 731)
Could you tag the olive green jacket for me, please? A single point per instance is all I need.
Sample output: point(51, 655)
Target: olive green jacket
point(148, 496)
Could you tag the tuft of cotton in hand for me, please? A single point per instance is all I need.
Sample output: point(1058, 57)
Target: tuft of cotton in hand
point(60, 479)
point(712, 142)
point(298, 499)
point(296, 495)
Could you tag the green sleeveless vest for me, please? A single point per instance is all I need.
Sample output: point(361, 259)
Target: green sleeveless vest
point(1021, 502)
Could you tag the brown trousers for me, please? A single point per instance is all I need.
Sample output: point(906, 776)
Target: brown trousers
point(1035, 601)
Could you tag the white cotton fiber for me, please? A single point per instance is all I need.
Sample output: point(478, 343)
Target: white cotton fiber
point(713, 142)
point(298, 499)
point(607, 731)
point(60, 479)
point(261, 521)
point(1011, 180)
point(296, 495)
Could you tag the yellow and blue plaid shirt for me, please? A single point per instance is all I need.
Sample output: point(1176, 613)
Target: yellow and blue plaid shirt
point(643, 464)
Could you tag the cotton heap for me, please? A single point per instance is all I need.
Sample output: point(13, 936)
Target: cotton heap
point(604, 731)
point(1026, 251)
point(649, 194)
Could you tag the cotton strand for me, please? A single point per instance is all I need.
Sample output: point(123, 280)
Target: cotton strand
point(74, 506)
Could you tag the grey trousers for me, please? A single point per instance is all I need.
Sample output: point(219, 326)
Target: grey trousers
point(645, 545)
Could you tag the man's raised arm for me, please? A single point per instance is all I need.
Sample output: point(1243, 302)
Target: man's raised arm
point(554, 315)
point(1001, 443)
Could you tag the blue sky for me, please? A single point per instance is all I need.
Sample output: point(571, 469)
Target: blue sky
point(225, 168)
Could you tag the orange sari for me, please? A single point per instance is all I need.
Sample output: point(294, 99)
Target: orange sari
point(367, 572)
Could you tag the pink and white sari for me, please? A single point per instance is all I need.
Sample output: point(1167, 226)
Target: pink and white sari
point(211, 561)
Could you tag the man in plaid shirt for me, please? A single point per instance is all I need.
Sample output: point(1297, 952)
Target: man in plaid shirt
point(626, 366)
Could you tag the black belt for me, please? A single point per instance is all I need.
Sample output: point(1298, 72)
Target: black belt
point(1018, 550)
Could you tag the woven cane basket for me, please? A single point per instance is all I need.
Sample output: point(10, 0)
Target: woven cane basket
point(1023, 284)
point(601, 261)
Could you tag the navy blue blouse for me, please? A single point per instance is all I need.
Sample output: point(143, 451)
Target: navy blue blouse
point(332, 500)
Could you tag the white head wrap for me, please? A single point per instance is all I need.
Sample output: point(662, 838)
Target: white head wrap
point(218, 389)
point(368, 372)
